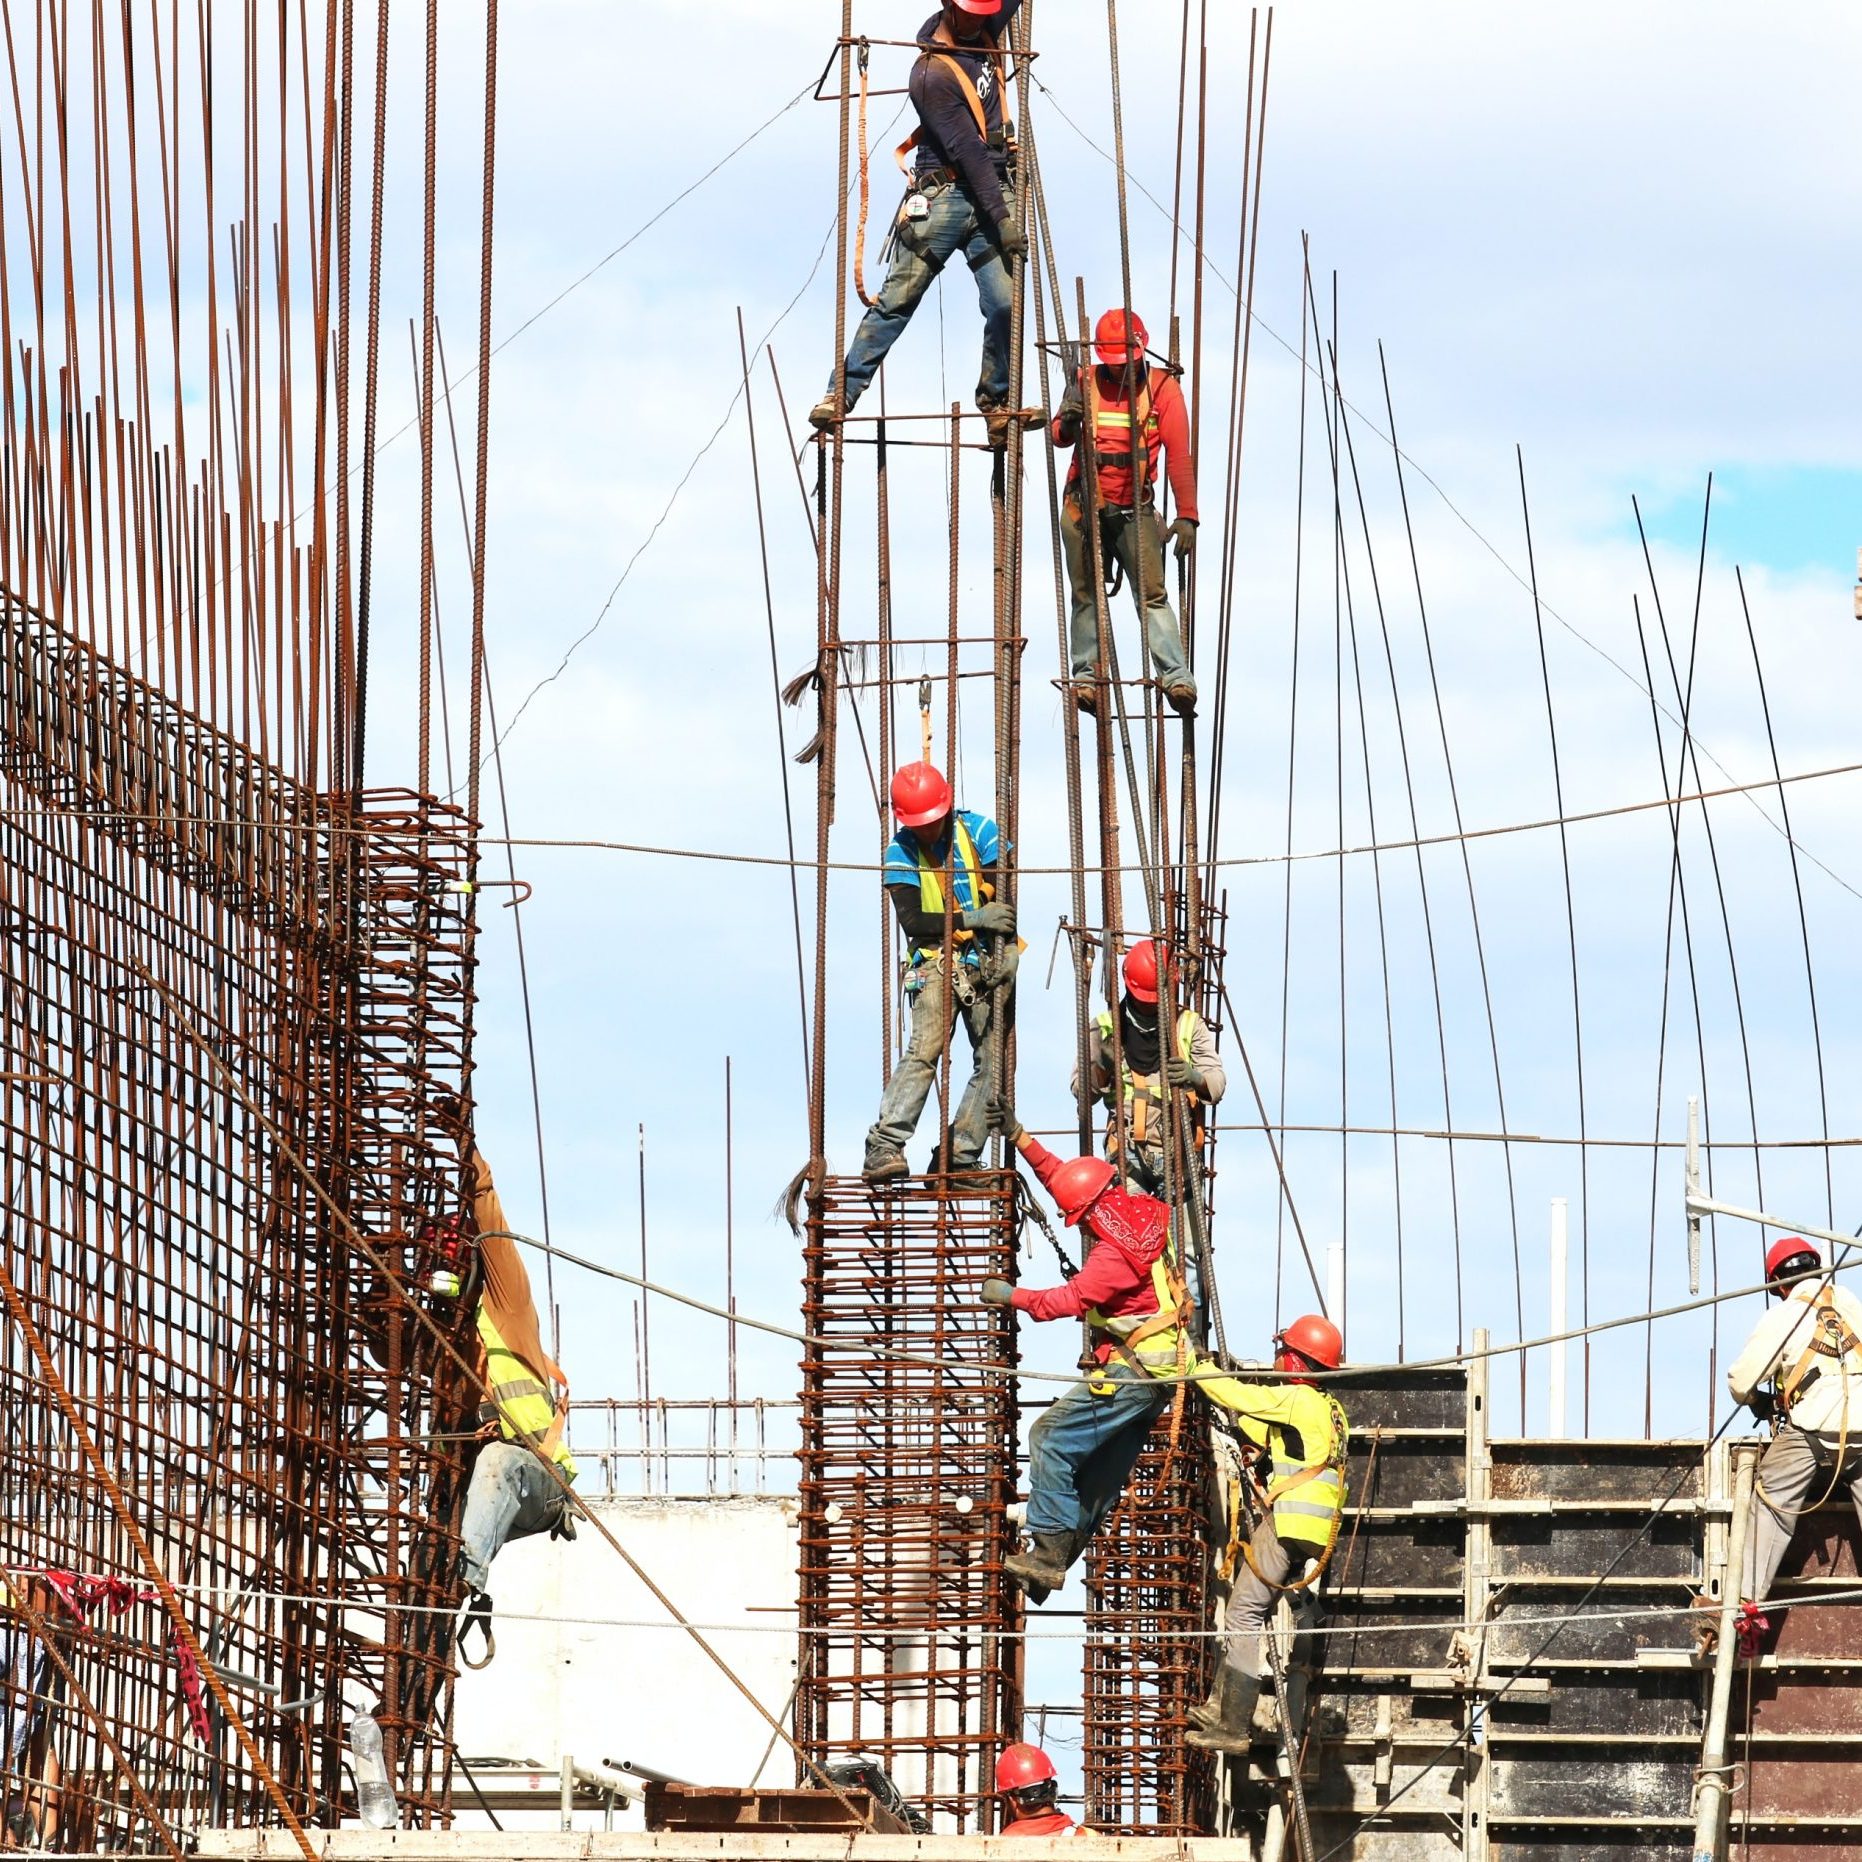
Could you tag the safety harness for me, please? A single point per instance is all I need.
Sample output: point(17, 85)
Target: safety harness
point(1287, 1476)
point(1144, 1092)
point(1129, 1332)
point(948, 58)
point(932, 880)
point(1831, 1337)
point(1134, 459)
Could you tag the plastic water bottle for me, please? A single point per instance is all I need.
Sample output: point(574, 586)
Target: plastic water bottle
point(374, 1794)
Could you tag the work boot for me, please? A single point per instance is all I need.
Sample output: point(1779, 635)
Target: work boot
point(886, 1167)
point(1043, 1565)
point(826, 412)
point(1182, 697)
point(1225, 1722)
point(1085, 697)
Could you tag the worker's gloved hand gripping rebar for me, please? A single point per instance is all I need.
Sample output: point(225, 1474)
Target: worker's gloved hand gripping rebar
point(998, 1293)
point(1763, 1403)
point(1001, 1119)
point(1181, 1072)
point(1184, 531)
point(997, 915)
point(1011, 238)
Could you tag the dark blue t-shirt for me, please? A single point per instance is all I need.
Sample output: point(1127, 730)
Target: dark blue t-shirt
point(947, 135)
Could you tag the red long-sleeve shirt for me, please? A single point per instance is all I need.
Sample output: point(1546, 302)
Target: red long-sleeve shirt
point(1172, 438)
point(1129, 1233)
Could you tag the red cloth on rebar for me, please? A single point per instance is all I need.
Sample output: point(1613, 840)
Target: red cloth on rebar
point(506, 1291)
point(1129, 1232)
point(1173, 440)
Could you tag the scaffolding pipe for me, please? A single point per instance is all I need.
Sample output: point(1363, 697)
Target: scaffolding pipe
point(1561, 1245)
point(1710, 1792)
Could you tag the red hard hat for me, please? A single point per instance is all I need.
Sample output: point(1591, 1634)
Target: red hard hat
point(1789, 1248)
point(983, 9)
point(920, 795)
point(1110, 339)
point(1315, 1338)
point(1021, 1766)
point(1141, 970)
point(1078, 1184)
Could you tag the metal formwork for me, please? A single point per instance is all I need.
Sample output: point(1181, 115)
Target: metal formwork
point(907, 1472)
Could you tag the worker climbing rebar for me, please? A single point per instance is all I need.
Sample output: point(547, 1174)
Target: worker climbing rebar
point(1133, 1295)
point(941, 866)
point(961, 198)
point(1302, 1433)
point(1808, 1348)
point(1189, 1065)
point(512, 1494)
point(1098, 403)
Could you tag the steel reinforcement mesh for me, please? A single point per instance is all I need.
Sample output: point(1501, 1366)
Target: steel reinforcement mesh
point(907, 1472)
point(233, 1036)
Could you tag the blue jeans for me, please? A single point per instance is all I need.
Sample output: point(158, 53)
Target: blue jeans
point(1082, 1450)
point(512, 1496)
point(920, 250)
point(915, 1077)
point(1138, 544)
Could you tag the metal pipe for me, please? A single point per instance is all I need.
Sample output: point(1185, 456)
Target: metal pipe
point(1710, 1792)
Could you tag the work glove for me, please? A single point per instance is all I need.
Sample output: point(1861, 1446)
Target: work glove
point(1011, 238)
point(1181, 1072)
point(1184, 531)
point(1001, 1119)
point(1763, 1404)
point(998, 1293)
point(997, 915)
point(1070, 421)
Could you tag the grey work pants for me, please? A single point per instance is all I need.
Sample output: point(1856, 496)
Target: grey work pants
point(1251, 1599)
point(1137, 540)
point(512, 1496)
point(1793, 1472)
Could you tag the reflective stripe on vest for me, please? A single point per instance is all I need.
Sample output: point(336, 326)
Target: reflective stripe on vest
point(1112, 427)
point(1143, 1090)
point(1159, 1350)
point(931, 886)
point(518, 1400)
point(1307, 1496)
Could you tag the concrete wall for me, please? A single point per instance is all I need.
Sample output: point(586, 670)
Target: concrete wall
point(596, 1692)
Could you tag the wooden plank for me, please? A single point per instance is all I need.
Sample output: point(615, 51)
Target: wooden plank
point(728, 1807)
point(1559, 1545)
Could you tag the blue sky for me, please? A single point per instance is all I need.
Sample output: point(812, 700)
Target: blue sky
point(1557, 248)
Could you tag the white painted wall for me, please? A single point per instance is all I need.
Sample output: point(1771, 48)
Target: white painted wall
point(599, 1692)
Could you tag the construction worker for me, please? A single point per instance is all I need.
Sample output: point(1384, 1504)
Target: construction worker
point(940, 856)
point(524, 1409)
point(1303, 1433)
point(1128, 527)
point(1809, 1348)
point(1131, 1292)
point(962, 200)
point(1026, 1781)
point(1191, 1066)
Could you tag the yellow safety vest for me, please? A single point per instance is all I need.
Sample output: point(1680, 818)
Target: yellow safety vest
point(1306, 1495)
point(1142, 1091)
point(931, 886)
point(1151, 1342)
point(517, 1400)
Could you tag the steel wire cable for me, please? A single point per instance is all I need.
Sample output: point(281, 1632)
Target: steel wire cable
point(1460, 516)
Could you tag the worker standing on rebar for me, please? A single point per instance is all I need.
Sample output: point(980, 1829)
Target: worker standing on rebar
point(1027, 1784)
point(523, 1414)
point(943, 857)
point(1302, 1433)
point(1809, 1349)
point(1097, 403)
point(1189, 1066)
point(1132, 1293)
point(962, 200)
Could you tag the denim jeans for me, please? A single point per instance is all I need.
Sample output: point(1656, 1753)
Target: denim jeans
point(1082, 1449)
point(915, 1077)
point(512, 1496)
point(1134, 538)
point(920, 250)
